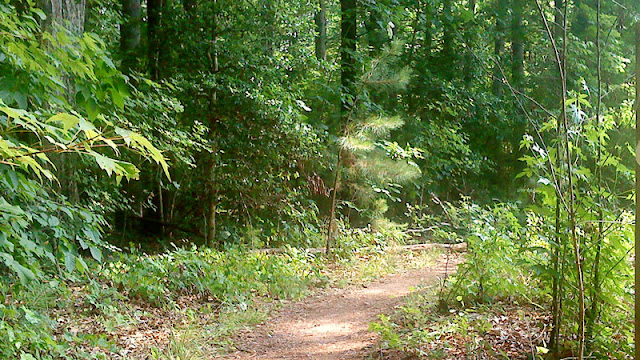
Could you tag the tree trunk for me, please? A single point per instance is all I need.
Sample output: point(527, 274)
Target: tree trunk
point(212, 204)
point(70, 14)
point(517, 44)
point(559, 249)
point(130, 34)
point(212, 189)
point(348, 49)
point(592, 312)
point(154, 20)
point(321, 26)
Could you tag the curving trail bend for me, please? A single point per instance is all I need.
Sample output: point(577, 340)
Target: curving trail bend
point(334, 325)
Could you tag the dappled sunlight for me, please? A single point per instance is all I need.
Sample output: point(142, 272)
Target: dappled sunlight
point(335, 326)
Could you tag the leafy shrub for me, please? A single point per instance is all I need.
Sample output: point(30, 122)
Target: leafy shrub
point(497, 262)
point(43, 227)
point(27, 335)
point(355, 240)
point(42, 117)
point(232, 276)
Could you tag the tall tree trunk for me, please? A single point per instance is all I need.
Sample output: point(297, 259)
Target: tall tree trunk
point(517, 44)
point(70, 14)
point(470, 35)
point(348, 48)
point(321, 26)
point(592, 313)
point(561, 57)
point(130, 34)
point(558, 249)
point(154, 21)
point(212, 186)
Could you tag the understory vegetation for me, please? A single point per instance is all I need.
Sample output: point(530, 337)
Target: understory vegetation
point(191, 300)
point(495, 304)
point(197, 163)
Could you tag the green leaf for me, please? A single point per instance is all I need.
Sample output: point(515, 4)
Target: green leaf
point(26, 356)
point(30, 316)
point(80, 264)
point(118, 98)
point(69, 261)
point(96, 253)
point(67, 120)
point(105, 163)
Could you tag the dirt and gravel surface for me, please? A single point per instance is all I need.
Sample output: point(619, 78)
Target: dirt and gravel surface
point(335, 324)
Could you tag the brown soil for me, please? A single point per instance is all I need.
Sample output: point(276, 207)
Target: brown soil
point(334, 325)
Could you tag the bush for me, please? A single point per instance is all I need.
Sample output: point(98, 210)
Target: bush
point(232, 276)
point(498, 261)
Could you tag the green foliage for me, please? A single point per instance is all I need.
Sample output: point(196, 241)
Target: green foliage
point(29, 332)
point(233, 276)
point(419, 329)
point(375, 240)
point(44, 229)
point(27, 335)
point(56, 94)
point(498, 263)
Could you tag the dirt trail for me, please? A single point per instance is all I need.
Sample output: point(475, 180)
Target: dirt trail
point(333, 325)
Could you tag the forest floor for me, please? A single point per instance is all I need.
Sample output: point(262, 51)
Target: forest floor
point(334, 324)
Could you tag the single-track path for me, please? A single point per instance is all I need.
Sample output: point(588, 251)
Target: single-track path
point(334, 325)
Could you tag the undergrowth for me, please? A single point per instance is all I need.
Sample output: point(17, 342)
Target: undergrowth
point(197, 297)
point(227, 277)
point(496, 304)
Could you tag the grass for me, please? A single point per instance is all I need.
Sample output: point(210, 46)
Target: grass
point(215, 336)
point(199, 339)
point(182, 304)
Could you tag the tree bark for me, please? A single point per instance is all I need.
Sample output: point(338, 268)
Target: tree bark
point(592, 312)
point(470, 35)
point(70, 14)
point(130, 34)
point(154, 21)
point(517, 44)
point(559, 249)
point(212, 188)
point(321, 26)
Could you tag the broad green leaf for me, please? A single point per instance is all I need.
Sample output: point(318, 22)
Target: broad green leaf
point(69, 261)
point(68, 121)
point(96, 253)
